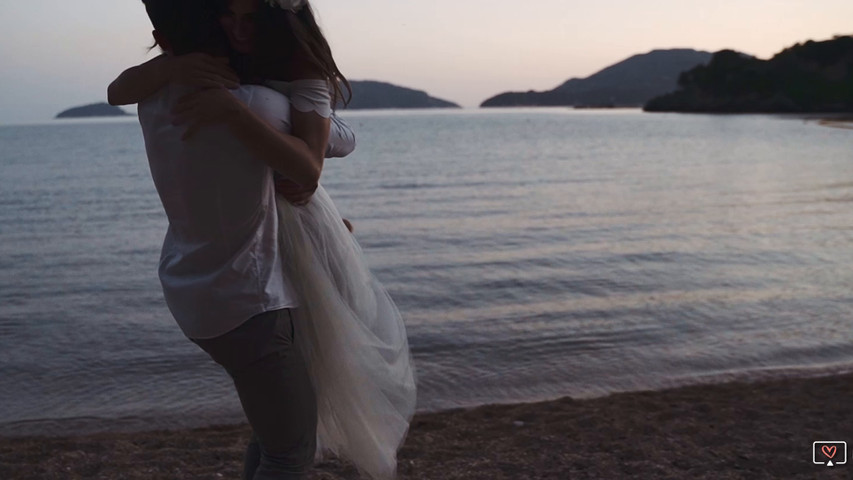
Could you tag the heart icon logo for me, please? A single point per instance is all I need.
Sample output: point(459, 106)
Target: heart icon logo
point(829, 451)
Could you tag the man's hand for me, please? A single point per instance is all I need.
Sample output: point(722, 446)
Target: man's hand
point(202, 70)
point(211, 106)
point(293, 192)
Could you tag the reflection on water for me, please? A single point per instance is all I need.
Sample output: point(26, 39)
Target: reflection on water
point(534, 253)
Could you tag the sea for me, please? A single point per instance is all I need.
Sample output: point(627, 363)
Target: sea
point(534, 254)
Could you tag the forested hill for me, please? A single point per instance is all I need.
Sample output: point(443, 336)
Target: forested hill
point(372, 94)
point(365, 95)
point(809, 77)
point(629, 83)
point(93, 110)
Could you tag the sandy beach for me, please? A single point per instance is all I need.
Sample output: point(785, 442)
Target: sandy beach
point(836, 120)
point(727, 431)
point(846, 124)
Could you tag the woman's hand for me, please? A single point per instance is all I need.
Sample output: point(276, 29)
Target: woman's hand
point(207, 107)
point(202, 70)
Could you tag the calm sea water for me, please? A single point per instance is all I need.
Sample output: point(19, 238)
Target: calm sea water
point(534, 253)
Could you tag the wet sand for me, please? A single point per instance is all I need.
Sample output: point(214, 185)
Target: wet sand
point(838, 120)
point(737, 430)
point(847, 124)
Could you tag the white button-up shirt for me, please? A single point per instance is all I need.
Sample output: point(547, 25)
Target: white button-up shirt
point(220, 263)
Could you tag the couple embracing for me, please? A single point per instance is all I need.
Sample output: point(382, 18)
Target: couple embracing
point(258, 267)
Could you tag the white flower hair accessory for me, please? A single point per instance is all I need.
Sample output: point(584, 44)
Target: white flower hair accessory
point(292, 5)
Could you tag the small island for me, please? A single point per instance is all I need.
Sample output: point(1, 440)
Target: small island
point(814, 77)
point(93, 110)
point(368, 94)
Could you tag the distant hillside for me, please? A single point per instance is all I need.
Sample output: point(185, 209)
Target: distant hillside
point(93, 110)
point(630, 83)
point(370, 94)
point(810, 77)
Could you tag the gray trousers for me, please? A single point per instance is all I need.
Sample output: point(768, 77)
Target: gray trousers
point(275, 391)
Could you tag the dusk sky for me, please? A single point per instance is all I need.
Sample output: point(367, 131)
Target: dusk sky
point(57, 54)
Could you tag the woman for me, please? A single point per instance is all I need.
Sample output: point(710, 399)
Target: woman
point(350, 332)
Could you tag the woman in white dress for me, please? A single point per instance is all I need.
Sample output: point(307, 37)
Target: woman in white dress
point(348, 328)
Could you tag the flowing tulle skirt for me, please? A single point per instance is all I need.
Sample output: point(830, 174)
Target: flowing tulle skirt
point(352, 337)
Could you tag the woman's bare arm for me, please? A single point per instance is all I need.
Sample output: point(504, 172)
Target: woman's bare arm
point(312, 129)
point(298, 156)
point(289, 155)
point(299, 159)
point(195, 69)
point(137, 83)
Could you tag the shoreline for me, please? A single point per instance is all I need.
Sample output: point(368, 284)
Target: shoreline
point(91, 426)
point(839, 122)
point(731, 430)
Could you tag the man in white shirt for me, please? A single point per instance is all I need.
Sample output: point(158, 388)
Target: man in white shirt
point(221, 268)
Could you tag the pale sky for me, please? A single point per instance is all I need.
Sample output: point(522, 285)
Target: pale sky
point(56, 54)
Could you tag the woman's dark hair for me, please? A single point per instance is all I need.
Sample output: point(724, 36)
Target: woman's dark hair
point(286, 39)
point(188, 25)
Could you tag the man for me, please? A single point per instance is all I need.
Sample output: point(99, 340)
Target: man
point(220, 267)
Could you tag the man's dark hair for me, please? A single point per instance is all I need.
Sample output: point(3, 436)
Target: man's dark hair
point(188, 25)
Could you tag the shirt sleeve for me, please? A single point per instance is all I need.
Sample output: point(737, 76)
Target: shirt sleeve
point(314, 95)
point(341, 138)
point(311, 95)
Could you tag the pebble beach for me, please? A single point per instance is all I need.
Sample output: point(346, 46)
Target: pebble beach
point(759, 430)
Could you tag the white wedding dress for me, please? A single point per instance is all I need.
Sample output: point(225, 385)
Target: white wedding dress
point(351, 335)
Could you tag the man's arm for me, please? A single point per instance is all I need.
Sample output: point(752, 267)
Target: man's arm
point(341, 138)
